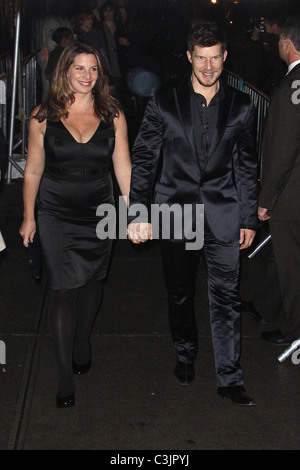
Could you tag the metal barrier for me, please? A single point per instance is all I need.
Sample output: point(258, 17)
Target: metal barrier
point(260, 101)
point(29, 82)
point(27, 96)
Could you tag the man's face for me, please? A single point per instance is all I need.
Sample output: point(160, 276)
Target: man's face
point(207, 64)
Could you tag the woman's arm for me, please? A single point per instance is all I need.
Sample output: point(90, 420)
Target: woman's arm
point(121, 156)
point(33, 172)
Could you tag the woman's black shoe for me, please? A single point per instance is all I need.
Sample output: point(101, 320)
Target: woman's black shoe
point(81, 369)
point(65, 402)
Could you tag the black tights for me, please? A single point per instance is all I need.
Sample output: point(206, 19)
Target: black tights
point(72, 313)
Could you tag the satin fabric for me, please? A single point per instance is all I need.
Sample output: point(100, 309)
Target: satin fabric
point(227, 185)
point(76, 181)
point(222, 265)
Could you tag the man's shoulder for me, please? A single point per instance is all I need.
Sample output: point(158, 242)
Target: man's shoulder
point(241, 98)
point(237, 96)
point(167, 94)
point(288, 92)
point(167, 89)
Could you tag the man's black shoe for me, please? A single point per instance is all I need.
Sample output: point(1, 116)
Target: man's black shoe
point(184, 372)
point(237, 394)
point(276, 337)
point(249, 309)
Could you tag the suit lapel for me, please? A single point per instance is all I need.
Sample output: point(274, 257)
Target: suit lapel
point(183, 103)
point(225, 107)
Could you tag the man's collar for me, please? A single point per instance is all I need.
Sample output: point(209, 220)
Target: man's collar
point(217, 97)
point(292, 65)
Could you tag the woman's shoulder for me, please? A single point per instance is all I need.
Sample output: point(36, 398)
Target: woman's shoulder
point(35, 122)
point(120, 121)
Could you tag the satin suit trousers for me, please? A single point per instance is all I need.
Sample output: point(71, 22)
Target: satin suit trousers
point(180, 271)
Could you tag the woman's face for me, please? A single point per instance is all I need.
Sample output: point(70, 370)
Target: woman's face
point(108, 13)
point(83, 73)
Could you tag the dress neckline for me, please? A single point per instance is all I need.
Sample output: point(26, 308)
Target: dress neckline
point(80, 143)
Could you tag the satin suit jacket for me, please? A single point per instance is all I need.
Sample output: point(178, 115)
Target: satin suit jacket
point(280, 191)
point(226, 183)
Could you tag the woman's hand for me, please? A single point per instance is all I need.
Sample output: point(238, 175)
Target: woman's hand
point(139, 232)
point(27, 231)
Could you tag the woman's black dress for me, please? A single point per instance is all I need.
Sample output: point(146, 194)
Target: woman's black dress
point(76, 181)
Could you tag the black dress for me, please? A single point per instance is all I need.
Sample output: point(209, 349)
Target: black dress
point(76, 181)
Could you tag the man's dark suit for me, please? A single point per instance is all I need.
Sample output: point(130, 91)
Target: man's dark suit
point(280, 192)
point(226, 183)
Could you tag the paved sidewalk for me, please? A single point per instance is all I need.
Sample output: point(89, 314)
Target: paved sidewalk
point(130, 399)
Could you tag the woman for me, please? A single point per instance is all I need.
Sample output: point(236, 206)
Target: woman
point(72, 138)
point(86, 32)
point(115, 40)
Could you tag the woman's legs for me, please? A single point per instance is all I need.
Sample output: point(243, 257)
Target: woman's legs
point(62, 325)
point(88, 303)
point(72, 313)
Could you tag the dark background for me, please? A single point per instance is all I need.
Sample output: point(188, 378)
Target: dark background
point(149, 11)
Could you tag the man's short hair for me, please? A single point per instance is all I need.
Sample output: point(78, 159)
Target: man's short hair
point(291, 30)
point(206, 34)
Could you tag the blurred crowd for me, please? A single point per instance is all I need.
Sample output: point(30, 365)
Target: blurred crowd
point(151, 35)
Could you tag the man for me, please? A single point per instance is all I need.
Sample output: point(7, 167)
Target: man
point(274, 68)
point(206, 136)
point(280, 194)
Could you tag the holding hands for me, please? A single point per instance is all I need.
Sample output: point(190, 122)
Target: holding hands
point(139, 232)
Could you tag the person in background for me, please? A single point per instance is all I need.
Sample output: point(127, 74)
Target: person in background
point(114, 39)
point(87, 32)
point(274, 68)
point(52, 21)
point(62, 37)
point(280, 191)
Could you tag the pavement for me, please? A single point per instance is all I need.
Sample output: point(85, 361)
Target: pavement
point(130, 401)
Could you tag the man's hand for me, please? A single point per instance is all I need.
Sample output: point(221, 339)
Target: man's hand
point(246, 237)
point(139, 233)
point(255, 34)
point(262, 214)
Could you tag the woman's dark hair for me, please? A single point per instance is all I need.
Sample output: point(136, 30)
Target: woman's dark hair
point(61, 33)
point(206, 34)
point(60, 96)
point(104, 6)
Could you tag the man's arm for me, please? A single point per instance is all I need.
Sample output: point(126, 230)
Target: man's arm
point(247, 177)
point(145, 156)
point(281, 146)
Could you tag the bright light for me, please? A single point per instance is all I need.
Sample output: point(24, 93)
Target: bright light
point(213, 1)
